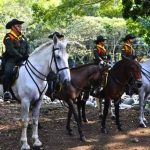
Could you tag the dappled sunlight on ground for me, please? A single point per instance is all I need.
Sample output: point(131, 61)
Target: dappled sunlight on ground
point(140, 132)
point(54, 136)
point(120, 137)
point(89, 147)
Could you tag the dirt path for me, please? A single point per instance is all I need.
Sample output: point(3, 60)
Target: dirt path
point(54, 137)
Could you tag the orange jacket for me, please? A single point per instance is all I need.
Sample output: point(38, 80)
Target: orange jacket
point(101, 50)
point(128, 50)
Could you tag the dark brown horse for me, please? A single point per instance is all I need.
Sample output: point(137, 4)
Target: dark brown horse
point(81, 77)
point(118, 78)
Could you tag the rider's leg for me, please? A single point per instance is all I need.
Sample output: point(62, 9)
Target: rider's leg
point(7, 81)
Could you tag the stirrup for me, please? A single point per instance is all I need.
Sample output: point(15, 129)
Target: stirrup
point(7, 96)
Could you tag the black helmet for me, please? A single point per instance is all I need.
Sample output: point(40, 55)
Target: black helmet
point(129, 36)
point(100, 39)
point(13, 22)
point(57, 34)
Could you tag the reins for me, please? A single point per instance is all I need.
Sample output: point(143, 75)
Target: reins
point(54, 57)
point(27, 64)
point(38, 74)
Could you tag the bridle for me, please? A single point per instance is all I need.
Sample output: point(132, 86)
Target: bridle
point(28, 65)
point(54, 57)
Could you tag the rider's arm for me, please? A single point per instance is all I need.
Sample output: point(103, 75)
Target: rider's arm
point(10, 48)
point(96, 55)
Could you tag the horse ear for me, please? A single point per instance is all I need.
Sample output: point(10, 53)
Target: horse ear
point(55, 39)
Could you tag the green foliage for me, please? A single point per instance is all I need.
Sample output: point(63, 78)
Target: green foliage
point(64, 13)
point(13, 9)
point(137, 12)
point(86, 29)
point(136, 8)
point(43, 17)
point(111, 9)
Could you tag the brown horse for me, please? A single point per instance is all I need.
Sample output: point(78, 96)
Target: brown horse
point(81, 77)
point(118, 78)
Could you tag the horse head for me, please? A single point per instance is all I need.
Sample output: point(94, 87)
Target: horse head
point(60, 60)
point(134, 71)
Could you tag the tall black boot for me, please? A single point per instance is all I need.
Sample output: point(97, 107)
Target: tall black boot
point(6, 86)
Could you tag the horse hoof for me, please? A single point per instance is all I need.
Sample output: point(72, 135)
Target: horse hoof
point(25, 147)
point(100, 116)
point(145, 121)
point(83, 139)
point(120, 129)
point(103, 130)
point(37, 147)
point(70, 132)
point(85, 121)
point(113, 117)
point(142, 125)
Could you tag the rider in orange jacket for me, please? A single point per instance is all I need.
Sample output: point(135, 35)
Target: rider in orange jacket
point(128, 50)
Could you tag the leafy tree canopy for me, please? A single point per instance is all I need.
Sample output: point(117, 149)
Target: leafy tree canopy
point(136, 8)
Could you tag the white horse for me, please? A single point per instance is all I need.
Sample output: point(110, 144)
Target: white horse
point(31, 84)
point(144, 91)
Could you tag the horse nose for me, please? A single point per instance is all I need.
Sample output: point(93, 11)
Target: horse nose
point(139, 84)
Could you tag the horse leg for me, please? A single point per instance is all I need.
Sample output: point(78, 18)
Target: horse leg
point(141, 99)
point(111, 111)
point(25, 121)
point(71, 107)
point(83, 103)
point(117, 114)
point(35, 117)
point(100, 108)
point(68, 122)
point(79, 103)
point(105, 112)
point(145, 99)
point(83, 111)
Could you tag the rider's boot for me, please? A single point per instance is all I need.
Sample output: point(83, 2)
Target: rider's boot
point(7, 96)
point(6, 86)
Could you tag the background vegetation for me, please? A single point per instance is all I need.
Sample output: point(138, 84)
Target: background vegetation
point(80, 21)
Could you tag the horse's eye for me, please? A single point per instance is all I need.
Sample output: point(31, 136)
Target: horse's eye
point(58, 57)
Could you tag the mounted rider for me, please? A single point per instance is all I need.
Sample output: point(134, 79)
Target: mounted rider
point(16, 51)
point(128, 51)
point(101, 56)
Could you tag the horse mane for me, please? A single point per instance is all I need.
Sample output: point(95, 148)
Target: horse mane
point(117, 65)
point(82, 66)
point(41, 47)
point(145, 62)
